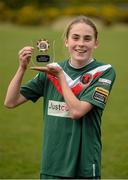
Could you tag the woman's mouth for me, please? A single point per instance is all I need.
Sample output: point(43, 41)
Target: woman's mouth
point(81, 50)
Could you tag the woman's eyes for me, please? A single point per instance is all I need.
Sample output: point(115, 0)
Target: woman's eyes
point(75, 37)
point(86, 38)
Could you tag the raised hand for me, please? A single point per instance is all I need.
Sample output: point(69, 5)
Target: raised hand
point(25, 55)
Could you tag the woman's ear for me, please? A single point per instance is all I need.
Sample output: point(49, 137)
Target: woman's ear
point(96, 44)
point(66, 43)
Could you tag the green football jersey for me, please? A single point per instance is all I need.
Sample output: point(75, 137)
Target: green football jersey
point(72, 147)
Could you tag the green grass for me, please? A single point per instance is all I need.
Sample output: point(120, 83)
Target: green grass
point(21, 128)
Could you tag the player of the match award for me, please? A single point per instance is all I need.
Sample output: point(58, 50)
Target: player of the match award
point(41, 56)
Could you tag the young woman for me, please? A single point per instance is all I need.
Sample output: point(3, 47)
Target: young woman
point(75, 93)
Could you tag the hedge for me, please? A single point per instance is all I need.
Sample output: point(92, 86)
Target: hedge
point(30, 15)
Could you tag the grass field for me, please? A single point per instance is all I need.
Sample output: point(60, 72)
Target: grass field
point(21, 128)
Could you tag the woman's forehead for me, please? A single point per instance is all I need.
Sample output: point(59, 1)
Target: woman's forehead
point(79, 28)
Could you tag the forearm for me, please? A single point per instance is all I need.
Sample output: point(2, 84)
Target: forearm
point(76, 107)
point(13, 92)
point(70, 98)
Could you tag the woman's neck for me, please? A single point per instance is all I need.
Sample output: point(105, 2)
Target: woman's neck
point(78, 65)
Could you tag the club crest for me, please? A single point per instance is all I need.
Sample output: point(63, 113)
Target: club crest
point(86, 78)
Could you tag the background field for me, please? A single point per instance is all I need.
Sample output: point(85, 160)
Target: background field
point(21, 128)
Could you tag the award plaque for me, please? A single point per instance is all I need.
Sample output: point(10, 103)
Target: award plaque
point(41, 56)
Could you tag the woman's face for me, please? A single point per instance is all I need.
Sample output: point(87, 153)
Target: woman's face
point(81, 42)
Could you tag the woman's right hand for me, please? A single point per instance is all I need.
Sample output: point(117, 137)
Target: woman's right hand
point(25, 55)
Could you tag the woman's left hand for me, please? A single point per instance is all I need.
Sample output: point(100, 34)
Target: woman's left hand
point(50, 69)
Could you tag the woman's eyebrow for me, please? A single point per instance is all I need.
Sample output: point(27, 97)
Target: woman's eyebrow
point(88, 35)
point(75, 34)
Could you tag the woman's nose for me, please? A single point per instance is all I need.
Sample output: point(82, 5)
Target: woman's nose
point(81, 43)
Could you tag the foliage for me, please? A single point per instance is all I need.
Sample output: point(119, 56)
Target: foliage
point(5, 13)
point(28, 15)
point(32, 14)
point(16, 4)
point(110, 14)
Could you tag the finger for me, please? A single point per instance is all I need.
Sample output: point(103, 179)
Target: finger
point(25, 52)
point(25, 49)
point(54, 66)
point(54, 69)
point(25, 56)
point(42, 69)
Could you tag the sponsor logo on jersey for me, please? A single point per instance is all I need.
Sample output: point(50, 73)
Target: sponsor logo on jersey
point(105, 81)
point(57, 108)
point(101, 95)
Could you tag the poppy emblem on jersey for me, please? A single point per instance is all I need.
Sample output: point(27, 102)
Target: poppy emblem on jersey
point(86, 78)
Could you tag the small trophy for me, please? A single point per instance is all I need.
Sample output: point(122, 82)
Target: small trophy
point(40, 56)
point(43, 46)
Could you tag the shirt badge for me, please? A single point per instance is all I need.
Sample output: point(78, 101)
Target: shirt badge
point(101, 95)
point(86, 78)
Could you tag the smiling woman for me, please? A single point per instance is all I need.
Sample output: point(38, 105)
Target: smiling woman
point(81, 39)
point(75, 93)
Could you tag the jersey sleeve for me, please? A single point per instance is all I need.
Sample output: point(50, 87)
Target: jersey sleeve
point(98, 91)
point(34, 88)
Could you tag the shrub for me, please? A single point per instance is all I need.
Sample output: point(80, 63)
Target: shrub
point(109, 14)
point(123, 16)
point(28, 15)
point(5, 13)
point(50, 14)
point(81, 10)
